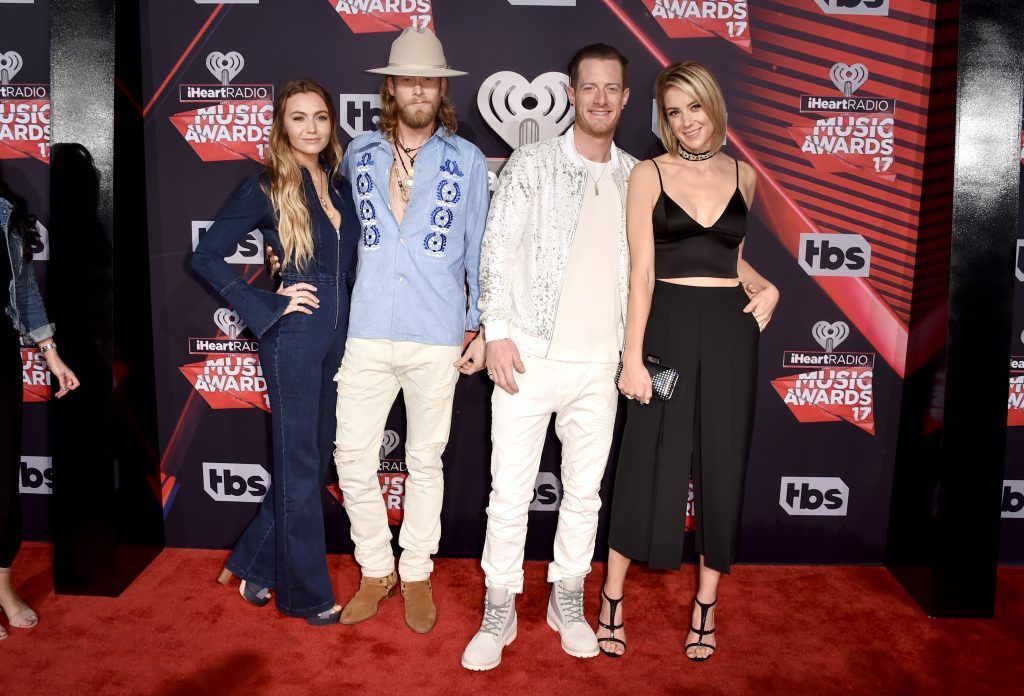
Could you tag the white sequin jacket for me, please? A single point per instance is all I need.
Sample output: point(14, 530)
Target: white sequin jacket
point(530, 228)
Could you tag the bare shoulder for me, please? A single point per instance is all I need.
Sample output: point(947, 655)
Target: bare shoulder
point(644, 174)
point(748, 182)
point(748, 177)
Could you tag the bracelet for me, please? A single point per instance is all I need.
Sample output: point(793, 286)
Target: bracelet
point(48, 347)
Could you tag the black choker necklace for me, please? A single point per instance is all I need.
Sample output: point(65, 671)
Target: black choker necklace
point(693, 156)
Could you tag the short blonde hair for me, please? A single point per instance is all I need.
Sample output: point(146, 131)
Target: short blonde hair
point(698, 81)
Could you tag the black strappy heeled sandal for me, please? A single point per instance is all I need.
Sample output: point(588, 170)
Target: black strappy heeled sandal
point(701, 632)
point(613, 605)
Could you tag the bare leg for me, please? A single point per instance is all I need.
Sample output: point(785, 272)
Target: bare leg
point(11, 603)
point(707, 592)
point(614, 587)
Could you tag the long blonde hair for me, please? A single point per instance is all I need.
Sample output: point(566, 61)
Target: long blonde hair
point(283, 180)
point(696, 79)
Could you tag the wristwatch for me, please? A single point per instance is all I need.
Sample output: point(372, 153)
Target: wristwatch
point(48, 347)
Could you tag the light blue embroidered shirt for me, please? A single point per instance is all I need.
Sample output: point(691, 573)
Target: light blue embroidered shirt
point(411, 280)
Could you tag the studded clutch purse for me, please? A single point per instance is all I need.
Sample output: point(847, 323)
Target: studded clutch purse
point(663, 378)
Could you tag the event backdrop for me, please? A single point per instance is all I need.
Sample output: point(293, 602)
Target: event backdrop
point(827, 100)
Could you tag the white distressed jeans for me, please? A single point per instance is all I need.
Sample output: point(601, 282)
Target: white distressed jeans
point(371, 374)
point(583, 398)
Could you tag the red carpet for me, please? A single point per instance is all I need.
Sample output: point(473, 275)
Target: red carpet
point(783, 630)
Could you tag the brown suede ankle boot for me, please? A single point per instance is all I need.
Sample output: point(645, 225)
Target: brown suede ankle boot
point(363, 605)
point(420, 612)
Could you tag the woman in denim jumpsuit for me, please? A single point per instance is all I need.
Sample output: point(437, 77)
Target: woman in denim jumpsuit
point(302, 331)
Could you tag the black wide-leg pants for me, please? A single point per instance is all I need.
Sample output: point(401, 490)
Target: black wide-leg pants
point(704, 430)
point(10, 443)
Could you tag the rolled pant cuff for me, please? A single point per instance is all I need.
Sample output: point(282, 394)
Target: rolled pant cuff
point(556, 574)
point(512, 586)
point(374, 573)
point(414, 577)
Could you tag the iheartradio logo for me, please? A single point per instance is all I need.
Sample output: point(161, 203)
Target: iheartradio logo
point(388, 443)
point(524, 112)
point(228, 321)
point(848, 78)
point(225, 66)
point(10, 65)
point(829, 336)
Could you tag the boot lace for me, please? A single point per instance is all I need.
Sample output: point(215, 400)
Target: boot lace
point(495, 616)
point(570, 602)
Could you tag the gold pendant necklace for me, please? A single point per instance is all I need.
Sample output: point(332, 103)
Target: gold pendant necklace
point(323, 201)
point(604, 168)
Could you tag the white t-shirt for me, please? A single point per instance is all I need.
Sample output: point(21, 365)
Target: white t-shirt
point(588, 318)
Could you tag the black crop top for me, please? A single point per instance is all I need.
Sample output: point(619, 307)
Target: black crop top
point(683, 248)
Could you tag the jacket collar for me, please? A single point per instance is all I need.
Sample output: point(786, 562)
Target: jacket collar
point(569, 148)
point(377, 139)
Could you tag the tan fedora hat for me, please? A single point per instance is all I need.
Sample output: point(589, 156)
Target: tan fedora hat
point(417, 53)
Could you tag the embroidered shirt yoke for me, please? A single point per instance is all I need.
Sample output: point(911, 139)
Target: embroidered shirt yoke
point(412, 278)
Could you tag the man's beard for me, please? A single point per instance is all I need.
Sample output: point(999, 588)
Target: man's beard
point(415, 116)
point(597, 129)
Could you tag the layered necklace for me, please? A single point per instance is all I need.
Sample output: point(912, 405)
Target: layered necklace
point(694, 156)
point(406, 159)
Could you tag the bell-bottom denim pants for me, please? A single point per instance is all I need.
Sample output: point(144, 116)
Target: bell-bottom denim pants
point(283, 548)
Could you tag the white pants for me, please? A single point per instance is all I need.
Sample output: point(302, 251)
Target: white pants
point(371, 373)
point(584, 398)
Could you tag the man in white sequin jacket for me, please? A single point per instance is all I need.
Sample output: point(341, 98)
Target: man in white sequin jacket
point(554, 273)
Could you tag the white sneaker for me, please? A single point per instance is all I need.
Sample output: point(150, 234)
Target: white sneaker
point(565, 615)
point(499, 628)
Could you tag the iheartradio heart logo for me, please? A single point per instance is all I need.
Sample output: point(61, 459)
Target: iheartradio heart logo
point(848, 78)
point(524, 112)
point(225, 66)
point(229, 322)
point(388, 443)
point(10, 65)
point(829, 336)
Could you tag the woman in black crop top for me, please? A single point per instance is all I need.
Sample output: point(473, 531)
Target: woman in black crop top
point(698, 306)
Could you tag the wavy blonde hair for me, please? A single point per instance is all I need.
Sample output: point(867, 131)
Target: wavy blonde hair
point(283, 179)
point(389, 112)
point(696, 79)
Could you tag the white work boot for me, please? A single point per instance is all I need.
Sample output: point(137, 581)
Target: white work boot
point(565, 615)
point(497, 630)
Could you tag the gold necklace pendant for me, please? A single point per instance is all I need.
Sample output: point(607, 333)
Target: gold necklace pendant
point(324, 201)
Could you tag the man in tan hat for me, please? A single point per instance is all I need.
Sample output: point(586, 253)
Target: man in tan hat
point(421, 194)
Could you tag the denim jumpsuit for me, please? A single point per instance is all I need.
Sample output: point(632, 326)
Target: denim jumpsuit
point(283, 547)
